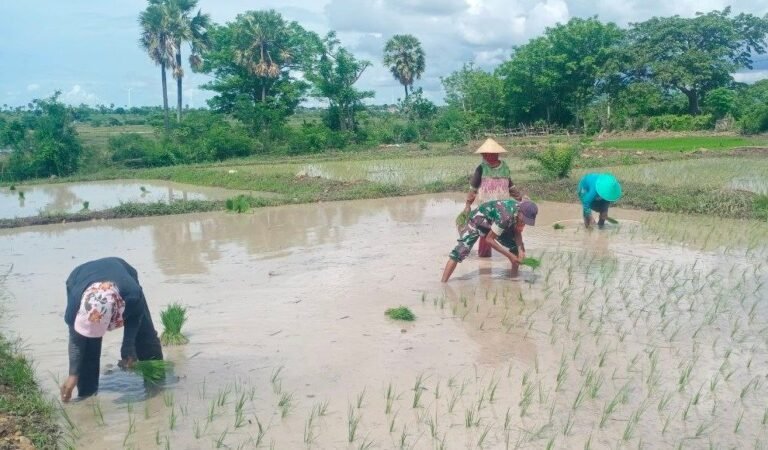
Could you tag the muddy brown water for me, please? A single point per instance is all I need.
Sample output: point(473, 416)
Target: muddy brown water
point(630, 336)
point(69, 197)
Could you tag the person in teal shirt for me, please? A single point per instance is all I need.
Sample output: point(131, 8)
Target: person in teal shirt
point(597, 191)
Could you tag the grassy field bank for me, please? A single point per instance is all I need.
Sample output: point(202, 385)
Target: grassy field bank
point(672, 174)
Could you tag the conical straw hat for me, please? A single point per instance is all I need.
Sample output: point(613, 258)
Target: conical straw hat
point(490, 146)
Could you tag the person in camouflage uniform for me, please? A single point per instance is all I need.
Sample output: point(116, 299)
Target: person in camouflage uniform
point(500, 223)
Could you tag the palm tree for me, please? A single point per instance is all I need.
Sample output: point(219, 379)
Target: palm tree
point(405, 58)
point(185, 28)
point(157, 40)
point(262, 47)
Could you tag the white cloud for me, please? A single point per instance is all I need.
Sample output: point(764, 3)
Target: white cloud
point(78, 95)
point(33, 87)
point(750, 77)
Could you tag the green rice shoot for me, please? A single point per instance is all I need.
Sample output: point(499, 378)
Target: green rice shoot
point(400, 313)
point(462, 219)
point(558, 226)
point(611, 220)
point(533, 263)
point(173, 318)
point(153, 371)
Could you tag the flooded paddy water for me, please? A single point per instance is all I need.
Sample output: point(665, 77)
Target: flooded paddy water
point(651, 334)
point(31, 200)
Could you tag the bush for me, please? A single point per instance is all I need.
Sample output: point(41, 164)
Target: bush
point(755, 121)
point(135, 150)
point(557, 160)
point(671, 122)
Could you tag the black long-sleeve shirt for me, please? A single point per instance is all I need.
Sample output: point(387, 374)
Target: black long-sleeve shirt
point(124, 276)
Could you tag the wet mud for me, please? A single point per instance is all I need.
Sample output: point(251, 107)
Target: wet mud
point(630, 336)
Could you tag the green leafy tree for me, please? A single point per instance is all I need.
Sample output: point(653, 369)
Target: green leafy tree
point(334, 77)
point(554, 77)
point(158, 41)
point(46, 144)
point(477, 94)
point(184, 27)
point(695, 55)
point(405, 58)
point(257, 61)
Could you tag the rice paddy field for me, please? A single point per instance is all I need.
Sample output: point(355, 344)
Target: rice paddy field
point(745, 174)
point(651, 333)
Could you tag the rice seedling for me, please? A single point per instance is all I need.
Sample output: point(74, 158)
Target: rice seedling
point(360, 399)
point(97, 411)
point(219, 442)
point(738, 422)
point(418, 389)
point(471, 418)
point(21, 195)
point(285, 403)
point(168, 399)
point(277, 384)
point(260, 432)
point(400, 313)
point(153, 371)
point(86, 204)
point(173, 318)
point(611, 220)
point(558, 226)
point(172, 417)
point(366, 444)
point(533, 263)
point(309, 428)
point(143, 189)
point(322, 408)
point(238, 204)
point(483, 436)
point(197, 432)
point(12, 187)
point(353, 421)
point(239, 414)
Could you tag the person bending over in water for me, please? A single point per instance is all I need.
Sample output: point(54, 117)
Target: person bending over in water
point(597, 191)
point(500, 223)
point(103, 295)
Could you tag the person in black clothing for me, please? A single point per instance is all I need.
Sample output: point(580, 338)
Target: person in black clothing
point(103, 295)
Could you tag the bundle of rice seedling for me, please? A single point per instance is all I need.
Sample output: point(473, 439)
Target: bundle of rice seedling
point(612, 220)
point(533, 263)
point(154, 370)
point(462, 219)
point(401, 313)
point(173, 318)
point(558, 226)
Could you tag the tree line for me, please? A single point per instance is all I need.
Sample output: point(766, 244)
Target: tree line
point(666, 73)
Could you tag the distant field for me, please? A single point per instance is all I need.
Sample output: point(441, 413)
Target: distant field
point(685, 143)
point(98, 137)
point(744, 174)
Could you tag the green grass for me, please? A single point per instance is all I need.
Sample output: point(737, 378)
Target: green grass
point(400, 313)
point(98, 137)
point(685, 143)
point(21, 399)
point(173, 318)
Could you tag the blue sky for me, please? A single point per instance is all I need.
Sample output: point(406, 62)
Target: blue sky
point(88, 49)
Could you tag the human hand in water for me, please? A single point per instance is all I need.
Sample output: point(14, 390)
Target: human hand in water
point(126, 363)
point(68, 387)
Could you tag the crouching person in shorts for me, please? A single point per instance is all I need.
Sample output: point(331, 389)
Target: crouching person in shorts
point(500, 223)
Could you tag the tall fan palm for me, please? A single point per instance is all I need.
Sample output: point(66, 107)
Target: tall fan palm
point(184, 27)
point(157, 40)
point(263, 47)
point(405, 58)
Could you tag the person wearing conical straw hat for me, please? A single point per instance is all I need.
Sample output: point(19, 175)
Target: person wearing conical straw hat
point(597, 191)
point(491, 181)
